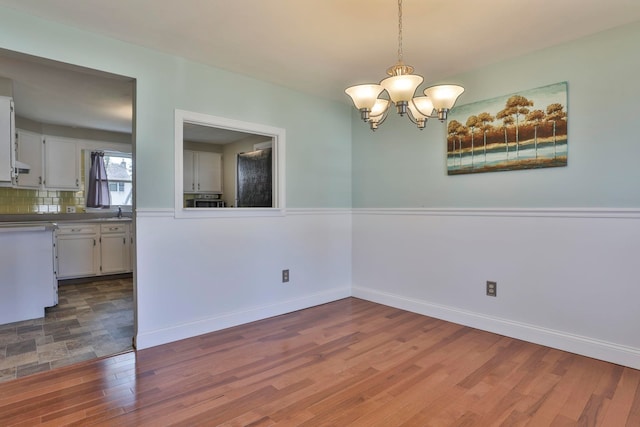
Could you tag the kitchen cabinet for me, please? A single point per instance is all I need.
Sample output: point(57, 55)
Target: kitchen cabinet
point(77, 250)
point(115, 247)
point(61, 163)
point(188, 172)
point(93, 249)
point(29, 151)
point(202, 172)
point(6, 138)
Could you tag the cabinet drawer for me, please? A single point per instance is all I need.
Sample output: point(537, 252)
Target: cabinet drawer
point(76, 229)
point(113, 228)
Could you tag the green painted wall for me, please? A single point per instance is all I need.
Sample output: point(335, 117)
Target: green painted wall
point(399, 166)
point(318, 145)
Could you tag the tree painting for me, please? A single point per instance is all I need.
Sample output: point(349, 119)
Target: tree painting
point(526, 130)
point(485, 119)
point(555, 112)
point(517, 106)
point(456, 132)
point(536, 117)
point(472, 124)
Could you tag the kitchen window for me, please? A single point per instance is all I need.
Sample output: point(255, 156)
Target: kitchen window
point(119, 168)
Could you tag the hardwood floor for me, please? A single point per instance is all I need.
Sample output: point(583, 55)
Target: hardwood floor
point(347, 363)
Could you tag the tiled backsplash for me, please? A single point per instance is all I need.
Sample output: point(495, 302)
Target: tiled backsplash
point(21, 201)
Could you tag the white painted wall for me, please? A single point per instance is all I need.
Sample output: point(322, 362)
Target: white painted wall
point(202, 275)
point(566, 278)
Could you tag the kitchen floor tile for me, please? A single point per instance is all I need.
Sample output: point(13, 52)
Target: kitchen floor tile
point(91, 320)
point(21, 347)
point(32, 368)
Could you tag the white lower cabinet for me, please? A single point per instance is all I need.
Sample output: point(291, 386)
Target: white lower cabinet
point(77, 250)
point(114, 248)
point(92, 249)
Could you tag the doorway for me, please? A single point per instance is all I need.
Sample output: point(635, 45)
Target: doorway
point(95, 315)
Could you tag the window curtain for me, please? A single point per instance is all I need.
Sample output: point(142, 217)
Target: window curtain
point(98, 190)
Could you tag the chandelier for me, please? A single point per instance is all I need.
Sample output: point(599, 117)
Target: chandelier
point(400, 87)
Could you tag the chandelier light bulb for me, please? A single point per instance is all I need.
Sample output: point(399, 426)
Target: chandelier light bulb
point(444, 96)
point(364, 96)
point(401, 88)
point(379, 108)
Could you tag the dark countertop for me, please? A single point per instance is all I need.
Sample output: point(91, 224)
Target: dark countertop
point(13, 227)
point(64, 217)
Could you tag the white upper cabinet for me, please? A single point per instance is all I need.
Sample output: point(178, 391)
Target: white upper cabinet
point(29, 151)
point(188, 170)
point(202, 172)
point(6, 138)
point(209, 172)
point(61, 163)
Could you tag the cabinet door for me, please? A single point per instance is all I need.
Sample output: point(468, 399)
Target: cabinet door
point(188, 172)
point(114, 250)
point(77, 256)
point(209, 172)
point(62, 165)
point(29, 151)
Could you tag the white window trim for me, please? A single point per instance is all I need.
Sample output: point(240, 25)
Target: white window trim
point(278, 137)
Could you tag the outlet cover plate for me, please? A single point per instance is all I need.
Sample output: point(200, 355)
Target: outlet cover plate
point(492, 289)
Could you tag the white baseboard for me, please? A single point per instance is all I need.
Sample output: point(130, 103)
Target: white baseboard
point(585, 346)
point(226, 320)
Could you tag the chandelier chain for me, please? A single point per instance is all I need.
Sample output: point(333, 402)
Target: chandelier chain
point(400, 31)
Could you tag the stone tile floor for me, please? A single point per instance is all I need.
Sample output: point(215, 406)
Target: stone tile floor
point(91, 320)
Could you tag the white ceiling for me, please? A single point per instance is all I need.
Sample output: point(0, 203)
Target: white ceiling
point(322, 46)
point(61, 94)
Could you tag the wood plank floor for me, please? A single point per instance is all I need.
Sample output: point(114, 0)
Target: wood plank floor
point(347, 363)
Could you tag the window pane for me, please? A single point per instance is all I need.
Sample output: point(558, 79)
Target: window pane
point(119, 173)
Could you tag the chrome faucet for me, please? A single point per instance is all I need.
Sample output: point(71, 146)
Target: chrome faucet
point(119, 212)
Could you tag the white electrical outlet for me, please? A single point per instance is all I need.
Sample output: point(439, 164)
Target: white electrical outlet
point(71, 209)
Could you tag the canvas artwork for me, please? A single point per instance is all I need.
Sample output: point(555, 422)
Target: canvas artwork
point(518, 131)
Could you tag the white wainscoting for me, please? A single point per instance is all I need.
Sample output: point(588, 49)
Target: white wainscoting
point(199, 275)
point(567, 278)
